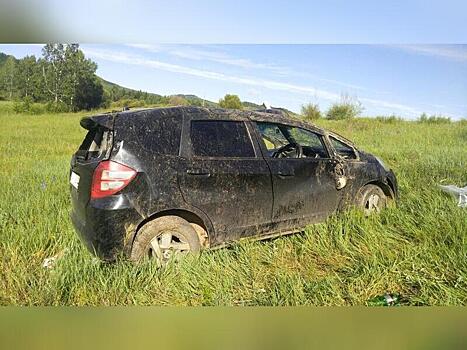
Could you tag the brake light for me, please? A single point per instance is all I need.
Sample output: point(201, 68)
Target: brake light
point(110, 177)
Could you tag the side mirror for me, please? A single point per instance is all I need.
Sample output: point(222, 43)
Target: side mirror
point(339, 175)
point(341, 182)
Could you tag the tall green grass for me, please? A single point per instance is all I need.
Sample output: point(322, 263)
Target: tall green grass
point(416, 250)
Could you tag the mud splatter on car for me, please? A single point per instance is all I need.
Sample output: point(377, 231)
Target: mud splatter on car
point(164, 182)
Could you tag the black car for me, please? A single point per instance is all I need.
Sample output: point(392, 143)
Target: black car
point(163, 182)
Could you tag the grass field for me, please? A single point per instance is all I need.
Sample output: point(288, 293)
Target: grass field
point(417, 250)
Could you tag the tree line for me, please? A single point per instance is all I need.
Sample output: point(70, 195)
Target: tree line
point(63, 78)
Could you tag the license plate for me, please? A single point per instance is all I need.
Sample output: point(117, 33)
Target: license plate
point(74, 179)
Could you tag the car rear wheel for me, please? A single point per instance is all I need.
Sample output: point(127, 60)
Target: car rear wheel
point(371, 199)
point(164, 239)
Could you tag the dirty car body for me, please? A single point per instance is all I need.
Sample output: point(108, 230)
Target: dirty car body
point(230, 174)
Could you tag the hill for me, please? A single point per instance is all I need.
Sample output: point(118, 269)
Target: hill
point(119, 92)
point(119, 96)
point(191, 98)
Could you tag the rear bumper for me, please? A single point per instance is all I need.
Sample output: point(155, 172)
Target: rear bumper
point(107, 227)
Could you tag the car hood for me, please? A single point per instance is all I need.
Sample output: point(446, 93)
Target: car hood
point(367, 157)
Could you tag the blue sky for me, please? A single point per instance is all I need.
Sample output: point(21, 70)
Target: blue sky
point(259, 21)
point(402, 79)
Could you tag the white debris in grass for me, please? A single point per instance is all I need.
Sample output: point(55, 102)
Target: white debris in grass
point(50, 262)
point(458, 192)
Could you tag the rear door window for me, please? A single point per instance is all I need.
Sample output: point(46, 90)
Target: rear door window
point(212, 138)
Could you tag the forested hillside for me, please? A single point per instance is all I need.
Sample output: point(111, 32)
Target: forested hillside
point(64, 80)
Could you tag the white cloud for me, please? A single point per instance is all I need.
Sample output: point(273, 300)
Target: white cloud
point(131, 59)
point(203, 54)
point(392, 106)
point(451, 52)
point(340, 83)
point(199, 54)
point(175, 68)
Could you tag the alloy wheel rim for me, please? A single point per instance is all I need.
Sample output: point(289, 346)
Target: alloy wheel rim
point(372, 204)
point(167, 246)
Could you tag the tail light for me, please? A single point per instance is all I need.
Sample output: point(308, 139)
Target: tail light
point(110, 177)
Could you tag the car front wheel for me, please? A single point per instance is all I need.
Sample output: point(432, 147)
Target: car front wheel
point(371, 199)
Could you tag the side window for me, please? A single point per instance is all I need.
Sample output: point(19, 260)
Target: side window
point(272, 135)
point(275, 136)
point(156, 134)
point(313, 146)
point(212, 138)
point(94, 144)
point(343, 149)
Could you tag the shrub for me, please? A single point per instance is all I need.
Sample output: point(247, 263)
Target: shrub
point(23, 105)
point(347, 108)
point(389, 119)
point(18, 107)
point(37, 108)
point(176, 100)
point(433, 119)
point(57, 107)
point(231, 102)
point(311, 112)
point(27, 106)
point(6, 107)
point(128, 102)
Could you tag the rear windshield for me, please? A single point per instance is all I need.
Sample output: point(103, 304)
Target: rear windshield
point(95, 144)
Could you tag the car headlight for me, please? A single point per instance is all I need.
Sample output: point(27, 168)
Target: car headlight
point(380, 161)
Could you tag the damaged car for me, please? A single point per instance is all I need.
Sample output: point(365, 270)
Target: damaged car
point(160, 183)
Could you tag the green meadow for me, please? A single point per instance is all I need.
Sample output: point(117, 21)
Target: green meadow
point(415, 251)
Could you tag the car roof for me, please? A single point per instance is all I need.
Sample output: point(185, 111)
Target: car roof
point(274, 116)
point(270, 115)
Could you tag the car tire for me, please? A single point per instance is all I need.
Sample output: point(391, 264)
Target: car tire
point(152, 240)
point(371, 199)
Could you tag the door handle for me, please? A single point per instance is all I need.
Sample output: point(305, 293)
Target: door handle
point(198, 172)
point(285, 174)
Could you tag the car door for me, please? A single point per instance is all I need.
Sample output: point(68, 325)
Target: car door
point(354, 170)
point(226, 177)
point(304, 188)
